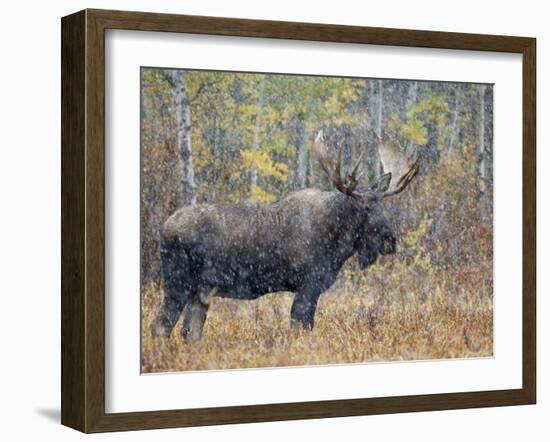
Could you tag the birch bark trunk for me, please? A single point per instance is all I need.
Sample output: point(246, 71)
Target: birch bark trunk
point(257, 127)
point(411, 101)
point(302, 157)
point(482, 161)
point(454, 118)
point(380, 106)
point(182, 110)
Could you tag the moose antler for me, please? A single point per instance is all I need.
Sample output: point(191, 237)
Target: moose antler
point(345, 185)
point(394, 160)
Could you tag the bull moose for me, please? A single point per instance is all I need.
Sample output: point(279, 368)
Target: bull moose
point(297, 244)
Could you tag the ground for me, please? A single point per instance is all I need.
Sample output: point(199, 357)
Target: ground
point(390, 313)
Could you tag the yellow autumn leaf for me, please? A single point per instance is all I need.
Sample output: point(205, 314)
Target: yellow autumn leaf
point(264, 164)
point(258, 195)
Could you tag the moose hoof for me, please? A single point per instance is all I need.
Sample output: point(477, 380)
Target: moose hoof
point(159, 330)
point(189, 336)
point(297, 324)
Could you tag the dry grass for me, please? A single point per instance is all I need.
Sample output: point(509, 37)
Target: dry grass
point(402, 312)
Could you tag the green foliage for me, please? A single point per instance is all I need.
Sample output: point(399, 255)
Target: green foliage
point(251, 135)
point(429, 111)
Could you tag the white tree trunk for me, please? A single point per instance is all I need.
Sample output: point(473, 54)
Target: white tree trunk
point(257, 127)
point(482, 148)
point(182, 110)
point(454, 118)
point(380, 109)
point(413, 95)
point(302, 157)
point(370, 125)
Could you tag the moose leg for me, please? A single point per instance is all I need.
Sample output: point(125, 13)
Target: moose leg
point(177, 288)
point(169, 313)
point(302, 313)
point(194, 318)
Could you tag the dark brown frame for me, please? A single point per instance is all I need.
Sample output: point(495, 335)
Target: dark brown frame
point(83, 216)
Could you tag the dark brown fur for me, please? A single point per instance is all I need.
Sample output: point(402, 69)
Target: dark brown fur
point(297, 244)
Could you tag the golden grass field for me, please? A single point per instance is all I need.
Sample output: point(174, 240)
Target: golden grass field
point(395, 311)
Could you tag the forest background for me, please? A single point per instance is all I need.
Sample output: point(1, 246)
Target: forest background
point(246, 138)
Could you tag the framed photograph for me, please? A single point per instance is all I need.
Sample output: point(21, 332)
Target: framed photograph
point(268, 220)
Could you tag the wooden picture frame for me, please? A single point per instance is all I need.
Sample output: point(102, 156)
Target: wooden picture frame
point(83, 220)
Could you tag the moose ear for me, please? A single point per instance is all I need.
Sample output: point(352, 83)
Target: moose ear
point(381, 184)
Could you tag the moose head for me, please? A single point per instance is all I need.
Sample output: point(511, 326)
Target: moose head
point(378, 236)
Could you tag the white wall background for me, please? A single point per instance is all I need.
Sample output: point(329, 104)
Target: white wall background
point(30, 216)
